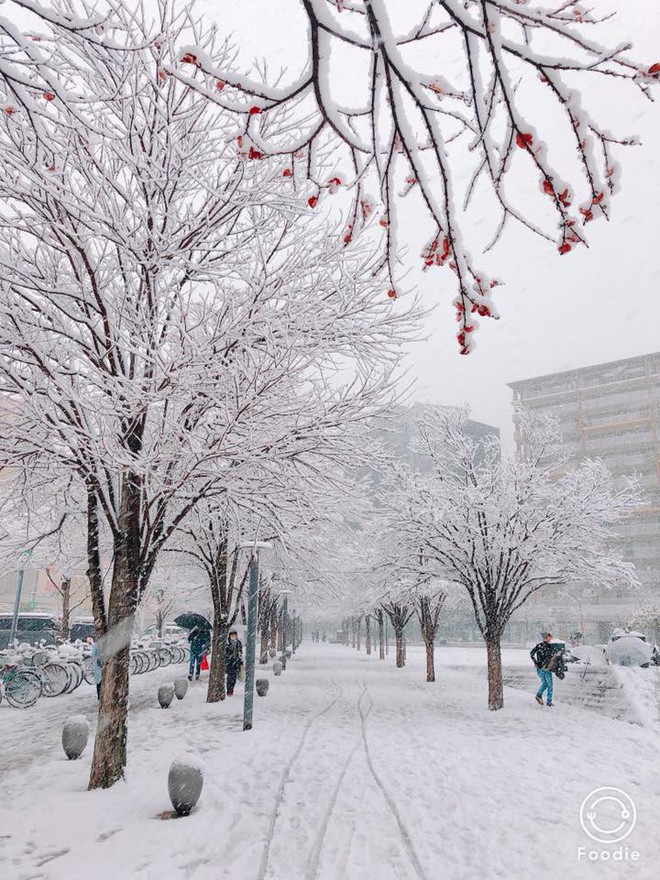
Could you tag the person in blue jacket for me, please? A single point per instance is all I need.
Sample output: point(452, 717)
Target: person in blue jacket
point(199, 643)
point(97, 669)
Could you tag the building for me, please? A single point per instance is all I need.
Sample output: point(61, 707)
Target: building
point(611, 411)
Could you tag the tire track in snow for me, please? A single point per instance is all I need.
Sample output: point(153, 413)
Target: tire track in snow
point(279, 796)
point(389, 800)
point(315, 855)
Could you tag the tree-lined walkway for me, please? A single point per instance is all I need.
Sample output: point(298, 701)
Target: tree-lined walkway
point(354, 769)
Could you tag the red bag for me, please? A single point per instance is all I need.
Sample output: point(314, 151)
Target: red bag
point(205, 663)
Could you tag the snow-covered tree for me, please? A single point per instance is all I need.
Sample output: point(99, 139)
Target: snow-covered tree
point(167, 334)
point(504, 527)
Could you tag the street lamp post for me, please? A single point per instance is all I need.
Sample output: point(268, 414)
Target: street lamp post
point(25, 558)
point(17, 606)
point(253, 592)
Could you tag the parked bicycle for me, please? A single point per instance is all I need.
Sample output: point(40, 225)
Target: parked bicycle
point(20, 686)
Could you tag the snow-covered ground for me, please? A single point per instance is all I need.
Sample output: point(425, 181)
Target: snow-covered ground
point(354, 769)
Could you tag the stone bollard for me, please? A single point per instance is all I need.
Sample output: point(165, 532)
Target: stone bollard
point(165, 695)
point(180, 687)
point(184, 784)
point(277, 668)
point(75, 734)
point(261, 685)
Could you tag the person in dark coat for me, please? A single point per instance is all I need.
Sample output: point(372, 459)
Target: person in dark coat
point(199, 643)
point(542, 655)
point(233, 660)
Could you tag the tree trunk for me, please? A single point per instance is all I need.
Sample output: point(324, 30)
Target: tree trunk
point(367, 636)
point(263, 650)
point(274, 635)
point(280, 633)
point(381, 636)
point(495, 683)
point(353, 632)
point(94, 575)
point(109, 759)
point(66, 607)
point(430, 658)
point(358, 628)
point(400, 653)
point(160, 620)
point(217, 681)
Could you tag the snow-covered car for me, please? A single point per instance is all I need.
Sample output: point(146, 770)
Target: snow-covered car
point(629, 648)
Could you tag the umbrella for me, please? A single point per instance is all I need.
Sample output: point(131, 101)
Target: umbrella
point(190, 620)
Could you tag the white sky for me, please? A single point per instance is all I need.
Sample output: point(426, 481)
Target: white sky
point(587, 307)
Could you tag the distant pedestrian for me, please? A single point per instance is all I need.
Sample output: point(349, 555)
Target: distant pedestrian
point(542, 655)
point(233, 660)
point(199, 643)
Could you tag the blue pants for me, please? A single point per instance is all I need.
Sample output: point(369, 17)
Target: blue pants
point(195, 663)
point(546, 682)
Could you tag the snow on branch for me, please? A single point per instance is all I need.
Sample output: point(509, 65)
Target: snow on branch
point(408, 130)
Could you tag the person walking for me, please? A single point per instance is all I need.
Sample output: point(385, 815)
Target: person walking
point(199, 642)
point(96, 668)
point(233, 660)
point(542, 655)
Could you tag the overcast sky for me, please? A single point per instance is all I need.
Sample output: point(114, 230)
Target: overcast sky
point(587, 307)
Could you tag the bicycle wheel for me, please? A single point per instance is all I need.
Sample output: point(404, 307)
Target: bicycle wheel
point(142, 662)
point(75, 675)
point(55, 679)
point(165, 656)
point(133, 664)
point(88, 670)
point(22, 688)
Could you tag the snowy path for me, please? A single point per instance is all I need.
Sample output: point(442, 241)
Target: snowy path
point(354, 770)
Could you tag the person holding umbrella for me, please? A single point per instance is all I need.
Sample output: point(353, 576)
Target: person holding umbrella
point(199, 643)
point(199, 639)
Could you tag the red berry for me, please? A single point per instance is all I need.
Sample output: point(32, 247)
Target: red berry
point(391, 293)
point(254, 111)
point(49, 96)
point(523, 139)
point(188, 58)
point(564, 248)
point(655, 68)
point(312, 201)
point(220, 84)
point(286, 172)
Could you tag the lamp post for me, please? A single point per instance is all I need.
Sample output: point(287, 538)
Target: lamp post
point(17, 606)
point(253, 592)
point(25, 555)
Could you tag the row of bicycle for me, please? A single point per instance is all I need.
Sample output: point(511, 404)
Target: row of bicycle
point(29, 672)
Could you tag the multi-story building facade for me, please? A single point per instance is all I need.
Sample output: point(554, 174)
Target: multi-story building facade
point(612, 411)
